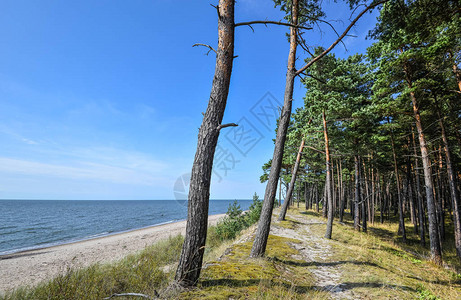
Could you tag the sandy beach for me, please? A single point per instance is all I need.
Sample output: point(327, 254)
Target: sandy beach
point(32, 267)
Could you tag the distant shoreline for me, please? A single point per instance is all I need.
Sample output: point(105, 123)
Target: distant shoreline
point(84, 239)
point(30, 267)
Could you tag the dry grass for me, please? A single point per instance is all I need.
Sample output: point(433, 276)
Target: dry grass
point(141, 273)
point(377, 265)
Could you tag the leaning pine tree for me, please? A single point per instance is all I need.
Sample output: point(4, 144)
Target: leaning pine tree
point(190, 261)
point(301, 12)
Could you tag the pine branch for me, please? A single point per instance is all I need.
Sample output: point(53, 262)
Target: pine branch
point(205, 45)
point(312, 61)
point(271, 22)
point(226, 125)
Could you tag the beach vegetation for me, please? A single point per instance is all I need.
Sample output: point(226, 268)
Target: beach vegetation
point(146, 272)
point(235, 221)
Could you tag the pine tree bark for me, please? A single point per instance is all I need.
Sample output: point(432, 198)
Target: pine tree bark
point(328, 193)
point(357, 193)
point(317, 197)
point(190, 261)
point(440, 197)
point(262, 233)
point(366, 202)
point(280, 191)
point(306, 195)
point(399, 194)
point(436, 252)
point(410, 193)
point(373, 197)
point(419, 195)
point(284, 209)
point(342, 200)
point(453, 190)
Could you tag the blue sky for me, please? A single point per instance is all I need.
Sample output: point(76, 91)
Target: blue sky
point(103, 99)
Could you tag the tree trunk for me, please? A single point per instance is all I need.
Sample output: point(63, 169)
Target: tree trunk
point(280, 191)
point(328, 194)
point(317, 196)
point(366, 203)
point(284, 209)
point(299, 196)
point(190, 261)
point(455, 201)
point(436, 253)
point(357, 193)
point(342, 194)
point(306, 195)
point(399, 195)
point(457, 75)
point(262, 233)
point(373, 197)
point(325, 201)
point(410, 197)
point(419, 195)
point(440, 194)
point(381, 201)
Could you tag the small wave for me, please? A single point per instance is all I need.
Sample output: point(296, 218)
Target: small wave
point(7, 227)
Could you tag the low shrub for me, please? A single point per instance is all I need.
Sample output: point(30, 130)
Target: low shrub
point(235, 221)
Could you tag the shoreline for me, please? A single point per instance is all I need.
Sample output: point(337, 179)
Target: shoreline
point(30, 267)
point(7, 254)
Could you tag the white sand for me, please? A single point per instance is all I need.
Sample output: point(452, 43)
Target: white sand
point(32, 267)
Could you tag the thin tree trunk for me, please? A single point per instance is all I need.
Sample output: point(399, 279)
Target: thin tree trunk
point(381, 201)
point(455, 201)
point(366, 203)
point(280, 191)
point(284, 209)
point(190, 261)
point(436, 252)
point(328, 194)
point(262, 233)
point(373, 197)
point(357, 193)
point(441, 197)
point(317, 196)
point(422, 231)
point(457, 75)
point(306, 194)
point(410, 189)
point(325, 201)
point(341, 199)
point(399, 195)
point(365, 196)
point(388, 200)
point(298, 196)
point(333, 185)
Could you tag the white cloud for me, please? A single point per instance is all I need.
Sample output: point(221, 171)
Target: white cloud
point(81, 171)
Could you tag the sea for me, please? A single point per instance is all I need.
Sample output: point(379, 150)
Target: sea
point(33, 224)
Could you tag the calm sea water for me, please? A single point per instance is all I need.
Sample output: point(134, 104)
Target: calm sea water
point(29, 224)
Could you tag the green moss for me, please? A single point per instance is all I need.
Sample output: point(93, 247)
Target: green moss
point(289, 224)
point(237, 276)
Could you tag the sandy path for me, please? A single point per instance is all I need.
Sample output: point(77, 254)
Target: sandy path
point(314, 248)
point(31, 267)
